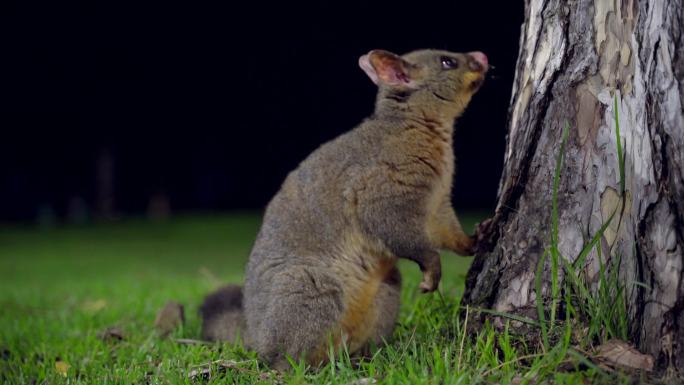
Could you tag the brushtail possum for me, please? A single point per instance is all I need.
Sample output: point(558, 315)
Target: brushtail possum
point(323, 266)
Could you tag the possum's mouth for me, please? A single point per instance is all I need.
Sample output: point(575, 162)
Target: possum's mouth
point(475, 85)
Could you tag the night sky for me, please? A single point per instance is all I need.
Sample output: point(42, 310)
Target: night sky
point(211, 105)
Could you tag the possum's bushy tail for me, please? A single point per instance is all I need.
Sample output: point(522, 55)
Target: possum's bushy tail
point(222, 315)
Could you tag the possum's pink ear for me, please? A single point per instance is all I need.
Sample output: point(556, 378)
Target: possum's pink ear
point(384, 67)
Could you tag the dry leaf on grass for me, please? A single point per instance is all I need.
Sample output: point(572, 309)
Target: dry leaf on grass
point(93, 307)
point(517, 380)
point(190, 341)
point(62, 367)
point(619, 353)
point(211, 369)
point(111, 333)
point(200, 374)
point(364, 381)
point(169, 318)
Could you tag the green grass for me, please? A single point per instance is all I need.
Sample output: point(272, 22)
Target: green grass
point(603, 311)
point(60, 287)
point(600, 314)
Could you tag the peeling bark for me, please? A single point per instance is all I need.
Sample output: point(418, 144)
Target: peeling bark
point(574, 58)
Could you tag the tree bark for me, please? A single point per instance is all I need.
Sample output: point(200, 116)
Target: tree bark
point(574, 58)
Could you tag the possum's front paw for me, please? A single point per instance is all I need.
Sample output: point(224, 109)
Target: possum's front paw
point(432, 273)
point(470, 246)
point(482, 242)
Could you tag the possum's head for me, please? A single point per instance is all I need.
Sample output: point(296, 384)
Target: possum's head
point(434, 81)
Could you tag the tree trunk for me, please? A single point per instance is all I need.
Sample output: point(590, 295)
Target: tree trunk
point(575, 57)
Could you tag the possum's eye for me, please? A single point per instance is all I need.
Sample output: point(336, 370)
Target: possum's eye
point(448, 63)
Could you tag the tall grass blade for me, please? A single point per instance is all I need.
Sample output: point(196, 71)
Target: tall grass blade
point(555, 253)
point(620, 154)
point(540, 300)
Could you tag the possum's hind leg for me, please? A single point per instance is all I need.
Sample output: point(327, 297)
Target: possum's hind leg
point(387, 305)
point(300, 319)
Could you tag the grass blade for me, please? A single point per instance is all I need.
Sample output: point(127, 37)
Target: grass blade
point(555, 253)
point(540, 300)
point(620, 154)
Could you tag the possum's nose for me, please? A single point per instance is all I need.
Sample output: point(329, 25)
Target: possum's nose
point(478, 61)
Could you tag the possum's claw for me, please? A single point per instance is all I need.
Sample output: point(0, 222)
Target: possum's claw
point(431, 278)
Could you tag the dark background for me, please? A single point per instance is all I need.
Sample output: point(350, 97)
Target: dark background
point(112, 109)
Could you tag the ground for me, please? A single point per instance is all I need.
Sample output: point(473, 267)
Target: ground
point(61, 287)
